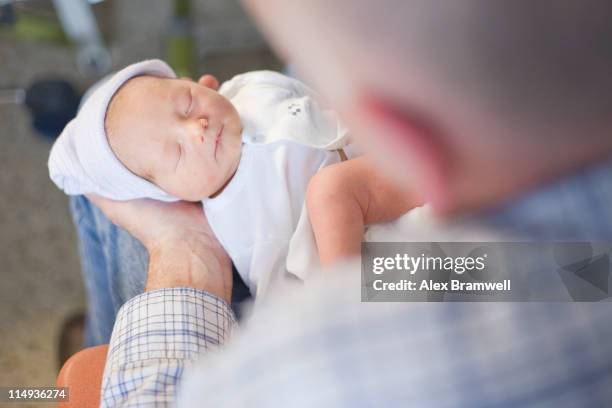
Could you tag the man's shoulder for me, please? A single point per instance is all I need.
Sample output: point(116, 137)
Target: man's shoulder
point(575, 206)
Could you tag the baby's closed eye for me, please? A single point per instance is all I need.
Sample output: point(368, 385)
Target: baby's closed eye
point(188, 103)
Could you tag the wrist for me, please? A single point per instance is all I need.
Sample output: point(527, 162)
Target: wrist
point(190, 262)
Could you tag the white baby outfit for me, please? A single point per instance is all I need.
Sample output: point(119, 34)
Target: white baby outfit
point(259, 217)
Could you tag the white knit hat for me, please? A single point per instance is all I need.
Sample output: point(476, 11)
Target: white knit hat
point(81, 160)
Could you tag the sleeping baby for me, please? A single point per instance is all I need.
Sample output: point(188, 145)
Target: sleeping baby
point(247, 152)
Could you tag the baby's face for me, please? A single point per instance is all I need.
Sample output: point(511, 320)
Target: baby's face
point(176, 133)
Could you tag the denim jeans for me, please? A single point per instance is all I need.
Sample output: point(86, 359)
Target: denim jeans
point(113, 264)
point(114, 267)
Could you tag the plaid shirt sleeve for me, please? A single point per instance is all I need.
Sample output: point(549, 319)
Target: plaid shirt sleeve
point(156, 335)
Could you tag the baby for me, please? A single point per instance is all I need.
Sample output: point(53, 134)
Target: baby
point(248, 152)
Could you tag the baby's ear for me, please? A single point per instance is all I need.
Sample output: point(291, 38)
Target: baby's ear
point(209, 81)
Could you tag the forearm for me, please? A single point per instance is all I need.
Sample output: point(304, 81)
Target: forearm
point(190, 264)
point(184, 311)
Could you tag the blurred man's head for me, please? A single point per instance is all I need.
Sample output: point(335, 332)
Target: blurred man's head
point(471, 101)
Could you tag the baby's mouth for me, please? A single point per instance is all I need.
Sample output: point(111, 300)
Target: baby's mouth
point(218, 140)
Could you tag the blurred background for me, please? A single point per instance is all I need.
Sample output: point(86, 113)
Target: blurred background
point(51, 51)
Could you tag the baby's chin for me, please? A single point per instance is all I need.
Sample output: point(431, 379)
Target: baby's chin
point(210, 184)
point(196, 195)
point(192, 199)
point(200, 193)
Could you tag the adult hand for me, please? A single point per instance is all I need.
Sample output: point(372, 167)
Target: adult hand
point(183, 250)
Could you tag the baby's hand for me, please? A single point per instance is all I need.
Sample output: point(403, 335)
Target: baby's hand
point(209, 81)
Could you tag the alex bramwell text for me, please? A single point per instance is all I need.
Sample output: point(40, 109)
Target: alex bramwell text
point(430, 285)
point(464, 271)
point(412, 264)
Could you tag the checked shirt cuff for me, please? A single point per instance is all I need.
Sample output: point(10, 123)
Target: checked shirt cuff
point(176, 323)
point(156, 335)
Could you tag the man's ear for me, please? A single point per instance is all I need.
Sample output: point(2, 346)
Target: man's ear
point(410, 147)
point(209, 81)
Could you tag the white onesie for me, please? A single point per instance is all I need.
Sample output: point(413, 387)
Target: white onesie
point(287, 138)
